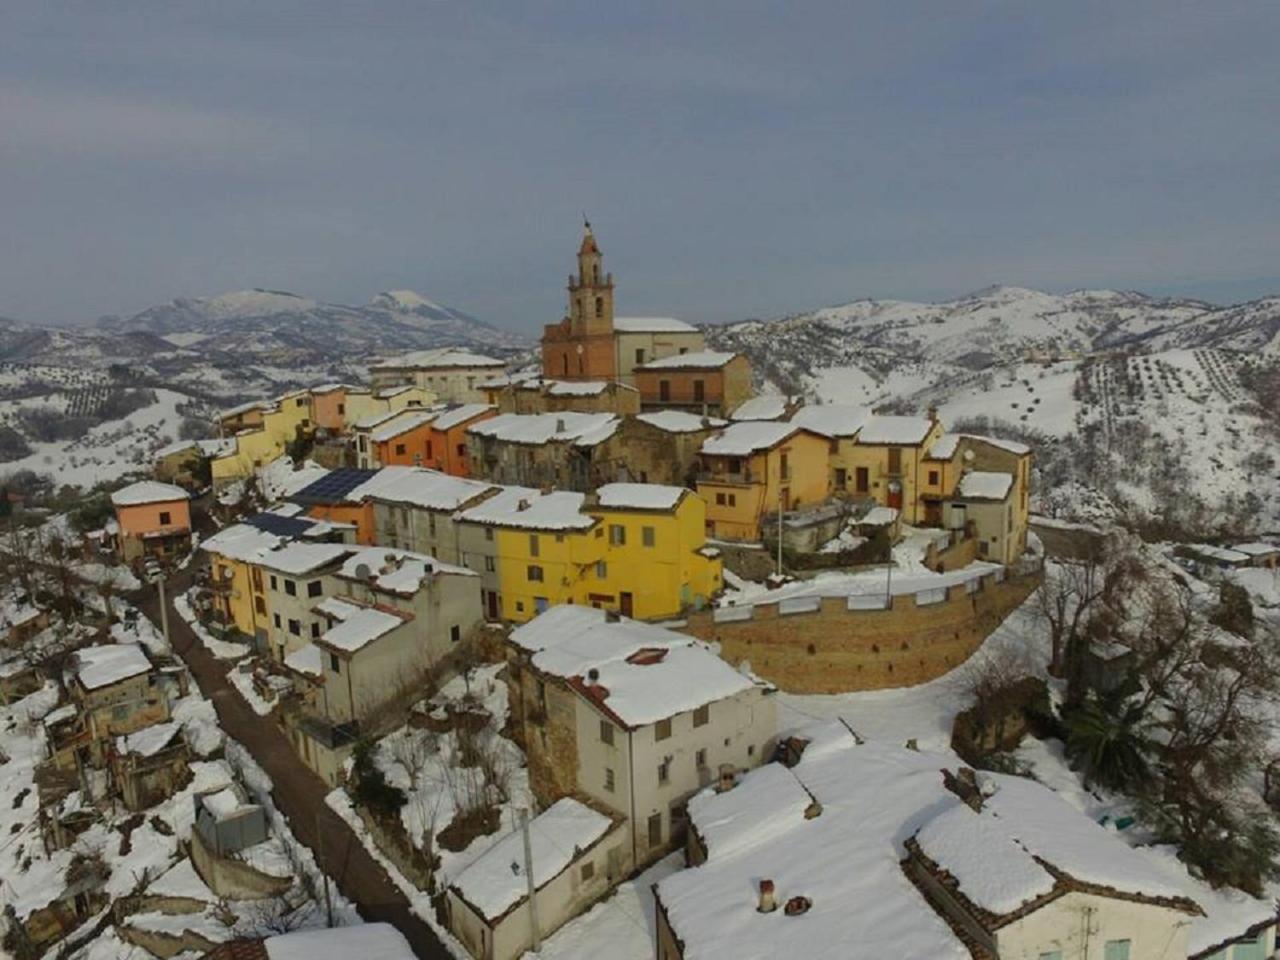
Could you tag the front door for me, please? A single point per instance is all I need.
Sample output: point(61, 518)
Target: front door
point(624, 601)
point(655, 831)
point(493, 604)
point(895, 495)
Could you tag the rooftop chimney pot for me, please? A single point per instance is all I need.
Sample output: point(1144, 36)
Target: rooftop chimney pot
point(767, 902)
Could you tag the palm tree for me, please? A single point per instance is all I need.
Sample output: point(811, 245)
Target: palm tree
point(1112, 747)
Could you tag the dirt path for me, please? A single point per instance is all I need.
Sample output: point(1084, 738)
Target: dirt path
point(297, 791)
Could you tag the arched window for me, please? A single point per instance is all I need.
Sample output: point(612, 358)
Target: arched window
point(595, 274)
point(599, 306)
point(580, 311)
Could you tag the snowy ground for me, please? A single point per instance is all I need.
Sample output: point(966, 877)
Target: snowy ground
point(222, 649)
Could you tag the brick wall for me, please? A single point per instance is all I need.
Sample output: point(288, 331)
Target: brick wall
point(835, 650)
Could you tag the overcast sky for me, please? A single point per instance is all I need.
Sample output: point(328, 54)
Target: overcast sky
point(737, 159)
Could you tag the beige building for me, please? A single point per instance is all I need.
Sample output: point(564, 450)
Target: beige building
point(633, 717)
point(536, 450)
point(867, 850)
point(577, 855)
point(641, 340)
point(115, 691)
point(414, 510)
point(452, 375)
point(392, 618)
point(659, 447)
point(535, 395)
point(983, 506)
point(294, 577)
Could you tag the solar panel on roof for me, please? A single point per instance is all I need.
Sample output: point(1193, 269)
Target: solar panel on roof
point(280, 526)
point(334, 486)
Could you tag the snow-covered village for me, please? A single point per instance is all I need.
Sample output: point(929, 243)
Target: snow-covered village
point(666, 613)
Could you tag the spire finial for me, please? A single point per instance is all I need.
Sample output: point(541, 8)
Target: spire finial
point(586, 224)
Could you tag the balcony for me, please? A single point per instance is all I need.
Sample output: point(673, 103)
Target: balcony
point(740, 478)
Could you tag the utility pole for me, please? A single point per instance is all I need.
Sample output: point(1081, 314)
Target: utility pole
point(779, 529)
point(324, 872)
point(528, 873)
point(164, 611)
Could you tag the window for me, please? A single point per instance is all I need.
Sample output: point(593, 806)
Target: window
point(291, 588)
point(664, 390)
point(165, 518)
point(733, 499)
point(276, 620)
point(400, 449)
point(640, 355)
point(606, 732)
point(315, 630)
point(295, 628)
point(655, 830)
point(342, 408)
point(300, 402)
point(933, 478)
point(700, 758)
point(617, 534)
point(455, 633)
point(313, 588)
point(274, 585)
point(719, 499)
point(533, 545)
point(664, 772)
point(786, 468)
point(534, 573)
point(588, 870)
point(647, 536)
point(1051, 955)
point(488, 533)
point(489, 565)
point(842, 478)
point(751, 750)
point(599, 306)
point(702, 716)
point(608, 779)
point(662, 729)
point(602, 570)
point(699, 391)
point(334, 663)
point(862, 479)
point(431, 524)
point(1116, 950)
point(895, 459)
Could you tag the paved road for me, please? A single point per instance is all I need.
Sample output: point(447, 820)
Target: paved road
point(297, 791)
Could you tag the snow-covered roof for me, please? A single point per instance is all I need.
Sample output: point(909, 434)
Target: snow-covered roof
point(577, 388)
point(420, 487)
point(984, 485)
point(677, 421)
point(495, 881)
point(558, 510)
point(639, 496)
point(1225, 554)
point(643, 673)
point(540, 428)
point(226, 802)
point(832, 419)
point(181, 880)
point(150, 740)
point(366, 941)
point(246, 408)
point(742, 439)
point(499, 507)
point(398, 571)
point(299, 558)
point(454, 416)
point(768, 407)
point(328, 387)
point(694, 360)
point(401, 425)
point(383, 417)
point(1009, 446)
point(240, 541)
point(846, 859)
point(890, 429)
point(102, 666)
point(207, 448)
point(282, 478)
point(305, 660)
point(148, 491)
point(944, 448)
point(996, 855)
point(361, 627)
point(440, 358)
point(652, 325)
point(1256, 549)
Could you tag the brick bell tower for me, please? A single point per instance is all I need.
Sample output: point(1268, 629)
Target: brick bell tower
point(580, 347)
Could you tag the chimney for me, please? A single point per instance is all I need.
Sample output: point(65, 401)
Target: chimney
point(964, 784)
point(559, 424)
point(728, 773)
point(593, 677)
point(933, 412)
point(612, 616)
point(522, 505)
point(706, 423)
point(767, 903)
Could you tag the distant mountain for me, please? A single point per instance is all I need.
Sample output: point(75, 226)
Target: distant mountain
point(284, 328)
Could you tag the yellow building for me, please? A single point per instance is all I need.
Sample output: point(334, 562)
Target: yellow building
point(754, 468)
point(363, 403)
point(657, 563)
point(239, 599)
point(253, 449)
point(547, 550)
point(888, 462)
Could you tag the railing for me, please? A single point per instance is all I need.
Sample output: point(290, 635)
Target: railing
point(724, 476)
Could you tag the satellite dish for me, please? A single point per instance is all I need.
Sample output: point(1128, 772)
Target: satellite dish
point(968, 456)
point(363, 572)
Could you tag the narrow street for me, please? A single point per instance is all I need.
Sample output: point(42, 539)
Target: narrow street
point(297, 791)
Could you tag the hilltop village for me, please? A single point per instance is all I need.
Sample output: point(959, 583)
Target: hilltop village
point(529, 629)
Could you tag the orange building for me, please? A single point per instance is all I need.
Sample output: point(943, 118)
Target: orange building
point(329, 406)
point(404, 442)
point(581, 346)
point(154, 519)
point(707, 382)
point(338, 498)
point(447, 445)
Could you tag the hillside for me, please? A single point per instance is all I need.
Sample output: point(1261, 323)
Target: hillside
point(1132, 401)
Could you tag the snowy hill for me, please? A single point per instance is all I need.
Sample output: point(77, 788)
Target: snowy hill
point(1135, 396)
point(286, 328)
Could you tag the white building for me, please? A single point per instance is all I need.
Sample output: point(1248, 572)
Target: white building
point(452, 375)
point(633, 716)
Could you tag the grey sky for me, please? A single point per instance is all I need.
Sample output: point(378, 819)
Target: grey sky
point(738, 159)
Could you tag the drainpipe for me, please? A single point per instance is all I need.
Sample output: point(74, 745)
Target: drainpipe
point(631, 784)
